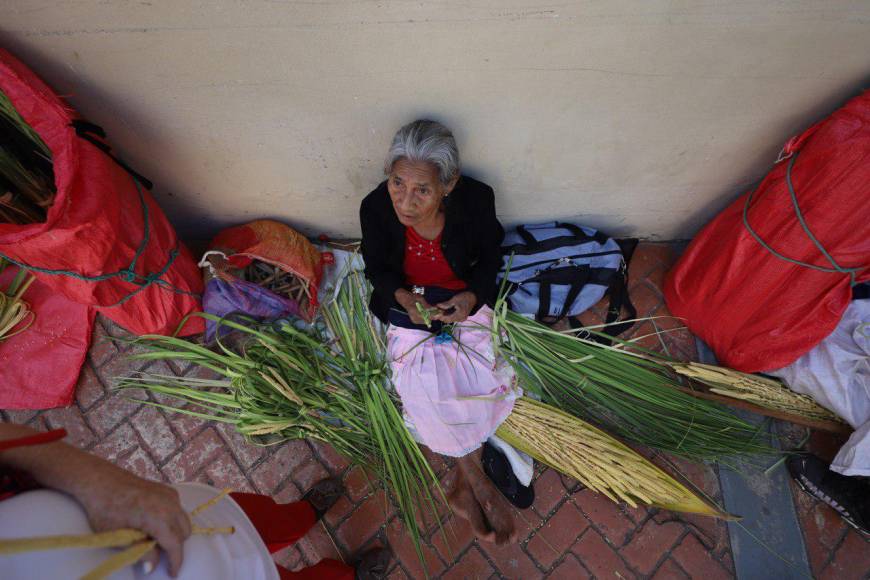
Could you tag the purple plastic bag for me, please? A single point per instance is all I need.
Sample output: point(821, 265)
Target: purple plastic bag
point(222, 298)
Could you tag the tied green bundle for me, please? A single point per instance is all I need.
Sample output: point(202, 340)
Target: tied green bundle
point(327, 383)
point(631, 394)
point(15, 314)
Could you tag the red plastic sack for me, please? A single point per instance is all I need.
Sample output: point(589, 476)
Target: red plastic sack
point(759, 311)
point(147, 281)
point(39, 368)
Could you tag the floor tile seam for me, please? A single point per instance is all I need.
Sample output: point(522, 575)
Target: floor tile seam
point(356, 505)
point(301, 466)
point(184, 441)
point(560, 555)
point(105, 394)
point(666, 555)
point(109, 390)
point(832, 554)
point(524, 548)
point(122, 455)
point(546, 517)
point(471, 546)
point(260, 461)
point(597, 528)
point(683, 570)
point(96, 437)
point(652, 267)
point(558, 562)
point(700, 534)
point(229, 449)
point(570, 549)
point(181, 448)
point(395, 518)
point(349, 557)
point(316, 453)
point(113, 429)
point(637, 529)
point(617, 550)
point(709, 551)
point(232, 453)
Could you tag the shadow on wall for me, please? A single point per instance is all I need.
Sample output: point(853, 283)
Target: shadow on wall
point(796, 124)
point(110, 112)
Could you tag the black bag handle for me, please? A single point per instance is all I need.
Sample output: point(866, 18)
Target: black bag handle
point(580, 279)
point(543, 301)
point(576, 231)
point(86, 130)
point(619, 297)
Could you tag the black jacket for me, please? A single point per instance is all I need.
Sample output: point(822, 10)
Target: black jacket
point(471, 242)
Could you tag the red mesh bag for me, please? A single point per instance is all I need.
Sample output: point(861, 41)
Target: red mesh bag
point(105, 242)
point(39, 367)
point(771, 275)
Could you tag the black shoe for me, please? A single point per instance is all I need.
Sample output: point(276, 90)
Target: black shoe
point(324, 494)
point(497, 467)
point(849, 496)
point(373, 565)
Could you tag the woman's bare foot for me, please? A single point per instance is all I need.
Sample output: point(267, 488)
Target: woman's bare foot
point(474, 497)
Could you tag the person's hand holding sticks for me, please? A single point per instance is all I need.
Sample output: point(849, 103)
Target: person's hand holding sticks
point(111, 497)
point(457, 308)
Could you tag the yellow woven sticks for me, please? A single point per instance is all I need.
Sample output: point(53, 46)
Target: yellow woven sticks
point(596, 459)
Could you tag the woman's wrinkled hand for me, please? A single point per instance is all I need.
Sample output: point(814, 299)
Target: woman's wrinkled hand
point(462, 305)
point(117, 499)
point(408, 301)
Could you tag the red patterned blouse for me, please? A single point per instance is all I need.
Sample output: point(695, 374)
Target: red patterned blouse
point(425, 264)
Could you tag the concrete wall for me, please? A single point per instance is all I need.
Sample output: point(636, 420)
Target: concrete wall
point(641, 116)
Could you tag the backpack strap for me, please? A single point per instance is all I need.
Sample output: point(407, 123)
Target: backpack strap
point(574, 277)
point(619, 297)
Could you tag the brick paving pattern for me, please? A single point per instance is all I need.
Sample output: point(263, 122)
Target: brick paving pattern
point(569, 533)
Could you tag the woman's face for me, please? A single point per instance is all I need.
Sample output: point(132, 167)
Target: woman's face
point(416, 191)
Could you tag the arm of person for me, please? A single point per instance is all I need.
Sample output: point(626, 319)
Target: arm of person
point(111, 497)
point(386, 280)
point(375, 249)
point(483, 277)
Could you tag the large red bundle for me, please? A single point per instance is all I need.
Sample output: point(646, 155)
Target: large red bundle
point(105, 243)
point(771, 275)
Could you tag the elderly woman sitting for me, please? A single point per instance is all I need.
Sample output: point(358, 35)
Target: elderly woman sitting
point(431, 244)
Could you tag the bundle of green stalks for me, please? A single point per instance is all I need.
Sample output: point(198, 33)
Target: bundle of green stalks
point(763, 391)
point(631, 394)
point(15, 314)
point(26, 173)
point(327, 383)
point(596, 459)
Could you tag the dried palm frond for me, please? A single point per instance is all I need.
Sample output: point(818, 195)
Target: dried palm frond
point(596, 459)
point(763, 391)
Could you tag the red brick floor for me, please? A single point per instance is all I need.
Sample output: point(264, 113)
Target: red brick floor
point(569, 533)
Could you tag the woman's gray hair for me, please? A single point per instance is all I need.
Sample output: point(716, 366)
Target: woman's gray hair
point(428, 141)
